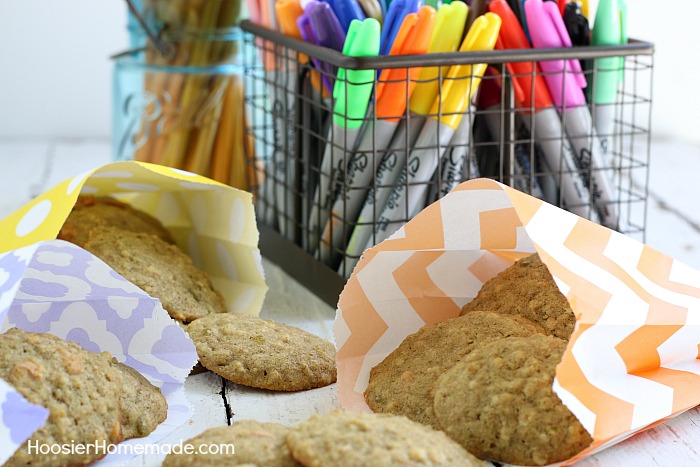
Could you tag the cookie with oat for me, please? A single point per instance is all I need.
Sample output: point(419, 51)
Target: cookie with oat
point(91, 212)
point(80, 389)
point(342, 438)
point(527, 289)
point(261, 353)
point(498, 403)
point(162, 270)
point(252, 442)
point(401, 384)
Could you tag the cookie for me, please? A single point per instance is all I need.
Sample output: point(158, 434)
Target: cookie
point(527, 288)
point(143, 405)
point(401, 383)
point(255, 352)
point(92, 212)
point(79, 388)
point(255, 443)
point(342, 438)
point(498, 403)
point(162, 270)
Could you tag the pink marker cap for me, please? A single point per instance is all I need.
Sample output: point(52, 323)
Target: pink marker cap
point(564, 78)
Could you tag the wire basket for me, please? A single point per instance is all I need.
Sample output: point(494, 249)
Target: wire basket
point(409, 160)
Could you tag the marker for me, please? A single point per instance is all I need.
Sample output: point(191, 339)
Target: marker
point(578, 29)
point(566, 82)
point(538, 114)
point(372, 9)
point(476, 8)
point(393, 87)
point(351, 92)
point(320, 26)
point(609, 29)
point(562, 5)
point(346, 11)
point(456, 93)
point(284, 113)
point(520, 165)
point(262, 12)
point(446, 37)
point(398, 9)
point(517, 7)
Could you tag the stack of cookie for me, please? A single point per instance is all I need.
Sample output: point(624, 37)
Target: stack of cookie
point(338, 438)
point(485, 378)
point(142, 251)
point(243, 349)
point(90, 396)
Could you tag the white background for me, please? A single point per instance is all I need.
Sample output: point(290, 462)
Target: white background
point(55, 72)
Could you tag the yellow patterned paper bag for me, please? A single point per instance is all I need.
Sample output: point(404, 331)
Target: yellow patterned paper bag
point(632, 361)
point(212, 222)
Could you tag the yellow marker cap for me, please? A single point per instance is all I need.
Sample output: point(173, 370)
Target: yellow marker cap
point(462, 81)
point(448, 30)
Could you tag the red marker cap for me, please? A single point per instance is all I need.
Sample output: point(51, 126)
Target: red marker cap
point(512, 36)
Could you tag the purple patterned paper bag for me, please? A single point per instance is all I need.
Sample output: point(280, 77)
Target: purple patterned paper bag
point(56, 287)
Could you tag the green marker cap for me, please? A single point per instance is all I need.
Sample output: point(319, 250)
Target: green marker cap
point(610, 28)
point(353, 88)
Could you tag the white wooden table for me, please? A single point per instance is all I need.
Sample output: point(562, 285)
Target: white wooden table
point(30, 168)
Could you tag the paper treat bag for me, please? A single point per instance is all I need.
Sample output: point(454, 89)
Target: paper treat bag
point(52, 286)
point(212, 222)
point(58, 288)
point(632, 361)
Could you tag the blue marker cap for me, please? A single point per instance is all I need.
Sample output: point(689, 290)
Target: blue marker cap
point(398, 9)
point(346, 11)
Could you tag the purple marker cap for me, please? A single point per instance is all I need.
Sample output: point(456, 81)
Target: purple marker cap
point(320, 26)
point(564, 78)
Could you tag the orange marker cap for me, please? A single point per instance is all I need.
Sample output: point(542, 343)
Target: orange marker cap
point(396, 84)
point(287, 13)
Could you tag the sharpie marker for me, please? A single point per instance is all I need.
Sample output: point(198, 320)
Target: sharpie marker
point(519, 165)
point(320, 26)
point(539, 115)
point(351, 92)
point(457, 91)
point(609, 29)
point(284, 113)
point(394, 85)
point(566, 82)
point(372, 9)
point(398, 9)
point(347, 11)
point(447, 33)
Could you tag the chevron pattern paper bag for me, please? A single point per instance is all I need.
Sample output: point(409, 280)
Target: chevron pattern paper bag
point(632, 361)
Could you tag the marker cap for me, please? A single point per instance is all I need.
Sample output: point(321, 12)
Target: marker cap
point(547, 30)
point(490, 89)
point(346, 11)
point(398, 9)
point(447, 33)
point(287, 13)
point(353, 87)
point(462, 81)
point(413, 38)
point(319, 25)
point(371, 9)
point(527, 94)
point(610, 28)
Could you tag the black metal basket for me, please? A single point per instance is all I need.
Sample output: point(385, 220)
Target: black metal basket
point(289, 117)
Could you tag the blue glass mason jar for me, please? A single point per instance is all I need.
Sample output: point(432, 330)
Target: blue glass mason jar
point(180, 101)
